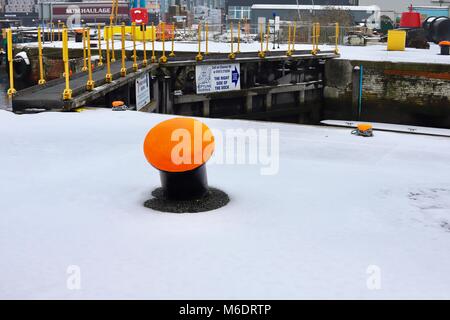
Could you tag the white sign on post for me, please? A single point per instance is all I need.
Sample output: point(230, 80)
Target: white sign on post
point(277, 23)
point(217, 77)
point(142, 91)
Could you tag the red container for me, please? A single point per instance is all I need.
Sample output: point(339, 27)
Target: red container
point(410, 19)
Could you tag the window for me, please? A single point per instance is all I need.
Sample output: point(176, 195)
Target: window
point(239, 12)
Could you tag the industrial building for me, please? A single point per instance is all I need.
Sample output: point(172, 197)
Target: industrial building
point(241, 9)
point(81, 12)
point(367, 15)
point(394, 9)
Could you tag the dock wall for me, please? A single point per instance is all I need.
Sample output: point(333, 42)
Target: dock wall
point(403, 93)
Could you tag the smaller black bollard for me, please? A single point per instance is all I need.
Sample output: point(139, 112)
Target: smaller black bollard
point(445, 48)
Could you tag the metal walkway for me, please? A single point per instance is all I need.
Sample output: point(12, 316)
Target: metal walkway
point(49, 96)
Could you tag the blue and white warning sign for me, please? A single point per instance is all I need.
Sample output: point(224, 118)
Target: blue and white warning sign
point(217, 77)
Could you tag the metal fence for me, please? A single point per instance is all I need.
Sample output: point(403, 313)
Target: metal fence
point(252, 33)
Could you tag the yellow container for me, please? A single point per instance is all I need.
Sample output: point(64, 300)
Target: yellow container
point(149, 33)
point(396, 40)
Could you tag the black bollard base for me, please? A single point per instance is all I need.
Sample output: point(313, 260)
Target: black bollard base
point(212, 200)
point(187, 185)
point(445, 50)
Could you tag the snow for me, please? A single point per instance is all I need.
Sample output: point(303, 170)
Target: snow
point(377, 52)
point(73, 186)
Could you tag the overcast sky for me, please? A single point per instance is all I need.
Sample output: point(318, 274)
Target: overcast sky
point(397, 5)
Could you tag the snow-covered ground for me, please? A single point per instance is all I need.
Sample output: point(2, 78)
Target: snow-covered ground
point(345, 217)
point(380, 53)
point(368, 53)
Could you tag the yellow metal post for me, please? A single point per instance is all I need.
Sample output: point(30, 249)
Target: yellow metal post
point(239, 38)
point(267, 37)
point(206, 38)
point(108, 78)
point(116, 12)
point(123, 69)
point(199, 56)
point(67, 93)
point(133, 31)
point(52, 31)
point(289, 51)
point(153, 43)
point(172, 53)
point(317, 32)
point(293, 37)
point(41, 63)
point(111, 33)
point(163, 58)
point(261, 53)
point(100, 57)
point(314, 52)
point(84, 50)
point(11, 90)
point(90, 83)
point(232, 55)
point(60, 27)
point(144, 43)
point(336, 49)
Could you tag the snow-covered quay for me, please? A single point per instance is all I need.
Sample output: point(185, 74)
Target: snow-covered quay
point(345, 217)
point(373, 52)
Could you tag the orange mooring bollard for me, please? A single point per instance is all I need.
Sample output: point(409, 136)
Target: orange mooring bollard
point(182, 171)
point(179, 148)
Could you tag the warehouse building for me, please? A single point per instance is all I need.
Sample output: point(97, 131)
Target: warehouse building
point(365, 15)
point(394, 9)
point(241, 9)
